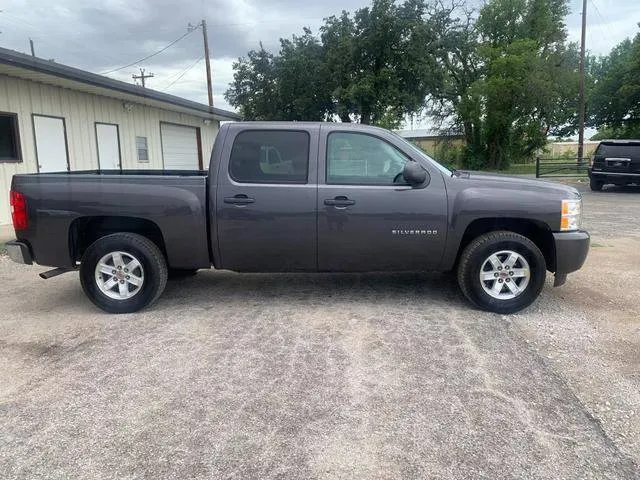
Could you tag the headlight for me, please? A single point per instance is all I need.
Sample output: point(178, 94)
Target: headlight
point(571, 215)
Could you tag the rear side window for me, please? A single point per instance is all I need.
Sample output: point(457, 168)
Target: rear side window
point(618, 151)
point(270, 156)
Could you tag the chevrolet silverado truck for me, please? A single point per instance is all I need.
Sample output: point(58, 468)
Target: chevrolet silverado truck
point(299, 197)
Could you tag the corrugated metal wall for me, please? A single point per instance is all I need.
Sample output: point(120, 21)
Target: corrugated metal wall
point(81, 111)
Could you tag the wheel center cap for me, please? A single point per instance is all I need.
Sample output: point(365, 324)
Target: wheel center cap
point(120, 275)
point(504, 275)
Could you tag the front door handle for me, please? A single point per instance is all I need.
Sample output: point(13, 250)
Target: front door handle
point(240, 199)
point(340, 201)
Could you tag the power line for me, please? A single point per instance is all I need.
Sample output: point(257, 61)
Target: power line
point(603, 31)
point(175, 75)
point(183, 73)
point(189, 32)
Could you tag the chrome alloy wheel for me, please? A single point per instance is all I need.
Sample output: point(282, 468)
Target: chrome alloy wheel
point(119, 275)
point(505, 275)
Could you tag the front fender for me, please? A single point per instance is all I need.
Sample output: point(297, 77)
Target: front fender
point(503, 206)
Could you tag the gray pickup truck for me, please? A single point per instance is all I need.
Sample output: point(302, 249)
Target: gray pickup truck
point(299, 197)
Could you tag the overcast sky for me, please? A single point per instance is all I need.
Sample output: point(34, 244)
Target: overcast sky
point(100, 36)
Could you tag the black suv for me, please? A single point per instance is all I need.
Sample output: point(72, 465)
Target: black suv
point(615, 161)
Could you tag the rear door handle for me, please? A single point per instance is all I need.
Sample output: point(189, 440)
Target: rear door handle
point(240, 199)
point(340, 201)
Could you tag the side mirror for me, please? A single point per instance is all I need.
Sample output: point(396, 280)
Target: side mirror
point(415, 175)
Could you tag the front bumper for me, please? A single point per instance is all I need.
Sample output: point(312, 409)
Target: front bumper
point(19, 252)
point(571, 252)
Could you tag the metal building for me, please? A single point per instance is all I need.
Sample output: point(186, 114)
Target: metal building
point(54, 118)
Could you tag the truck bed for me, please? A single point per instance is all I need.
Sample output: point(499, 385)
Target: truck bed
point(172, 203)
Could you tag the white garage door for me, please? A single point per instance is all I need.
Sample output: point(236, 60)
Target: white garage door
point(51, 144)
point(179, 147)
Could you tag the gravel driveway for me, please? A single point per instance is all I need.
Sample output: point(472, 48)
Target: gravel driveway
point(329, 376)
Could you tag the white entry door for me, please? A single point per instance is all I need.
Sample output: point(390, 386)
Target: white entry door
point(179, 147)
point(108, 146)
point(51, 144)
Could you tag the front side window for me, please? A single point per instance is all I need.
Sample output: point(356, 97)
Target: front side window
point(270, 156)
point(361, 159)
point(9, 138)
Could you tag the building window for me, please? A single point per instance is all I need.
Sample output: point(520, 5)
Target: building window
point(143, 151)
point(9, 138)
point(270, 156)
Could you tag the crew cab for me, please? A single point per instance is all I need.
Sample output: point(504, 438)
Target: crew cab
point(299, 197)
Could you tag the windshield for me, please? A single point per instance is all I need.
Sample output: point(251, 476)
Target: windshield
point(422, 154)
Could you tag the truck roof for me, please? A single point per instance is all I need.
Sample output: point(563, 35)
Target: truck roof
point(355, 126)
point(621, 142)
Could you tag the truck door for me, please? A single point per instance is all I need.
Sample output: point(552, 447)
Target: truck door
point(266, 199)
point(368, 218)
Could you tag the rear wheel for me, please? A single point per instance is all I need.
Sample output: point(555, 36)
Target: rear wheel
point(123, 272)
point(595, 185)
point(502, 272)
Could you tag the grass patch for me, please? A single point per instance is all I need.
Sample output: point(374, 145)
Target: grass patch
point(599, 245)
point(517, 169)
point(530, 169)
point(3, 248)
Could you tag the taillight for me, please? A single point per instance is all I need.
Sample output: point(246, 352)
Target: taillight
point(593, 159)
point(18, 210)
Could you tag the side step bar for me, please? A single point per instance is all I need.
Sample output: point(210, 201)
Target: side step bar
point(54, 273)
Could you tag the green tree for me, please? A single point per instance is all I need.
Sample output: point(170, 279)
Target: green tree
point(302, 78)
point(338, 40)
point(255, 86)
point(289, 86)
point(394, 61)
point(614, 100)
point(373, 66)
point(511, 79)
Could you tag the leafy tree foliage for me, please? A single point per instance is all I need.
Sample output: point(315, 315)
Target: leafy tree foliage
point(614, 100)
point(381, 60)
point(290, 86)
point(513, 79)
point(254, 89)
point(373, 66)
point(504, 76)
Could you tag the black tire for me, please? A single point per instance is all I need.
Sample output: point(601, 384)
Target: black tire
point(595, 185)
point(148, 254)
point(479, 250)
point(178, 273)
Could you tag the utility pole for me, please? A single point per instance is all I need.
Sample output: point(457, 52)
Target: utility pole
point(33, 52)
point(142, 76)
point(581, 83)
point(206, 60)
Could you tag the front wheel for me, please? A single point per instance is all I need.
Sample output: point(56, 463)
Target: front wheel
point(501, 272)
point(123, 272)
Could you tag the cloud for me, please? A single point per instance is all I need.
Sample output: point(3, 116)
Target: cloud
point(100, 36)
point(608, 23)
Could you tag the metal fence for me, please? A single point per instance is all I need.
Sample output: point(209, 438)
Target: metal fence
point(566, 167)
